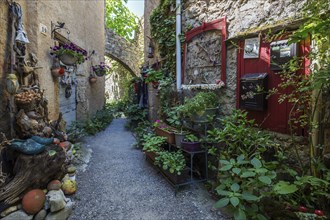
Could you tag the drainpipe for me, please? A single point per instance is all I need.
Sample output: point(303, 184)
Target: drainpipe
point(178, 46)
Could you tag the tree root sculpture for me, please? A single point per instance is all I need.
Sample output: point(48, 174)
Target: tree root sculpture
point(31, 172)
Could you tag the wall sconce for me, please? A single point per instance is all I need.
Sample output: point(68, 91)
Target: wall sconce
point(151, 48)
point(58, 26)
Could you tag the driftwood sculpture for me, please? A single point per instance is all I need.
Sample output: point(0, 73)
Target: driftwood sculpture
point(33, 171)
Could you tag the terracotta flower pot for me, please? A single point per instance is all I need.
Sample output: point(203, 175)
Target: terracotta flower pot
point(58, 71)
point(92, 79)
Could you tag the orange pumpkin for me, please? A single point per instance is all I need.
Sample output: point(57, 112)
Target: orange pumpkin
point(33, 201)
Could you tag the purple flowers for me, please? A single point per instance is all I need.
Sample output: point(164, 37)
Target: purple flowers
point(100, 69)
point(70, 49)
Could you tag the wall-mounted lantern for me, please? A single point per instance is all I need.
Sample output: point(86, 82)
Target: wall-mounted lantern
point(151, 48)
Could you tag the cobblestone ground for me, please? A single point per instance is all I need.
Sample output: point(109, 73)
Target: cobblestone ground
point(120, 184)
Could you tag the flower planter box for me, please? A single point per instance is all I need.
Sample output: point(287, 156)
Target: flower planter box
point(151, 155)
point(191, 146)
point(175, 178)
point(170, 137)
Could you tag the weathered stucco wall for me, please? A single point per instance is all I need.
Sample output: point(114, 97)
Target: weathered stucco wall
point(241, 16)
point(85, 20)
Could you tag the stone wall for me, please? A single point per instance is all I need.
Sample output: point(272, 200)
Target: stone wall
point(242, 16)
point(86, 25)
point(123, 51)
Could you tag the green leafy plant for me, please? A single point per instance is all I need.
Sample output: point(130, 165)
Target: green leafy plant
point(92, 125)
point(198, 104)
point(136, 115)
point(154, 76)
point(243, 184)
point(240, 137)
point(174, 119)
point(191, 138)
point(162, 21)
point(153, 143)
point(172, 161)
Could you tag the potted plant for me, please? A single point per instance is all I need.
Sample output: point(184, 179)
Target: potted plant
point(176, 121)
point(200, 107)
point(69, 54)
point(164, 130)
point(191, 143)
point(153, 76)
point(100, 69)
point(152, 145)
point(173, 165)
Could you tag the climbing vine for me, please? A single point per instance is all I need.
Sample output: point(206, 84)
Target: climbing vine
point(162, 21)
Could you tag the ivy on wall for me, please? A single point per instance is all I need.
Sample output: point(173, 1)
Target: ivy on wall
point(162, 21)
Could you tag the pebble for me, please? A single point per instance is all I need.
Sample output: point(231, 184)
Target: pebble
point(41, 215)
point(8, 211)
point(54, 185)
point(71, 169)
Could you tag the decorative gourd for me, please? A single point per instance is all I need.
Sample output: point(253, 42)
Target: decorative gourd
point(69, 187)
point(33, 201)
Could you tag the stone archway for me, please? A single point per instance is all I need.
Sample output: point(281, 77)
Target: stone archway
point(123, 51)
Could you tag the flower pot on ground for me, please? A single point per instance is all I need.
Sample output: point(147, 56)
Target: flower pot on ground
point(191, 143)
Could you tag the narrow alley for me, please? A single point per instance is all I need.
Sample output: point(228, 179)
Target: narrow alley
point(120, 184)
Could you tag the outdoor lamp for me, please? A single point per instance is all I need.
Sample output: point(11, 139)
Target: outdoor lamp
point(151, 50)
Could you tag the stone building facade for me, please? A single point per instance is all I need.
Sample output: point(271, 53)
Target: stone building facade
point(85, 22)
point(246, 16)
point(243, 18)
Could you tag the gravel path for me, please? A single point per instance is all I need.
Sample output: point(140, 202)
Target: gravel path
point(120, 184)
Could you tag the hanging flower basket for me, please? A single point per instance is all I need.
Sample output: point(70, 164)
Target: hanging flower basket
point(100, 72)
point(68, 59)
point(100, 69)
point(69, 54)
